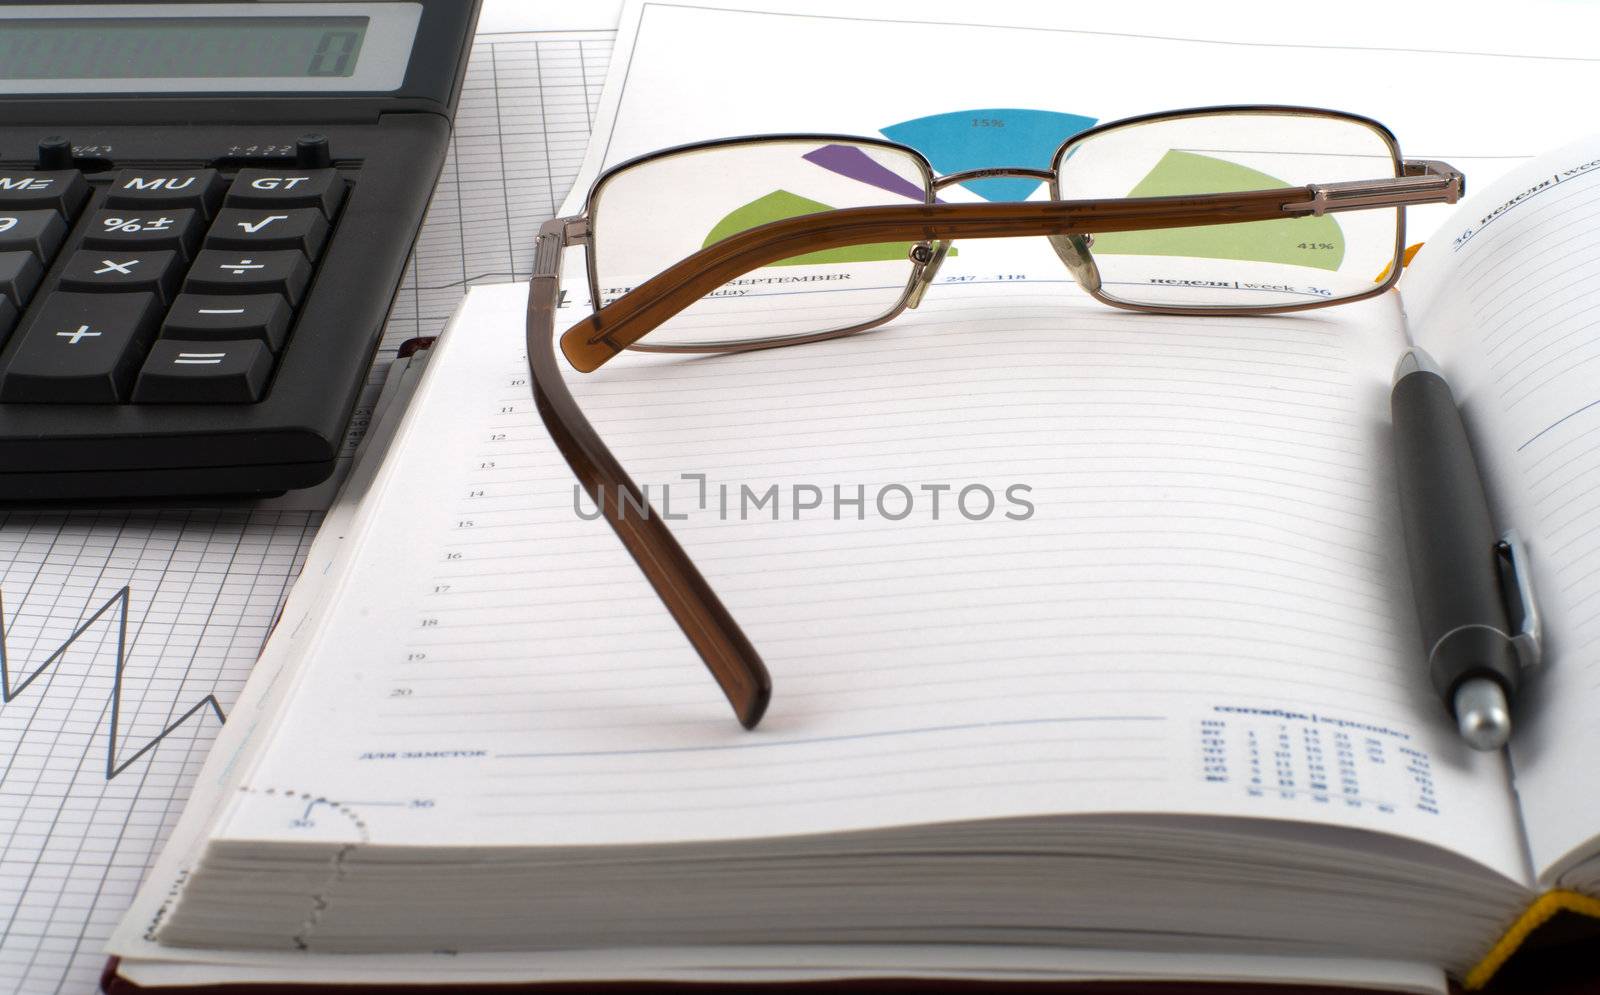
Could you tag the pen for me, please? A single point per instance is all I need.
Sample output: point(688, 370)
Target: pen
point(1459, 568)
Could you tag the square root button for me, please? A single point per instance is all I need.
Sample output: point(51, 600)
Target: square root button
point(204, 373)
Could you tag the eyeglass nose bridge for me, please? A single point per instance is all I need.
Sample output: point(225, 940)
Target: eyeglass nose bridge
point(1072, 249)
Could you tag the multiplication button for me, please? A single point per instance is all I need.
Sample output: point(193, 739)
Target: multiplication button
point(233, 271)
point(230, 318)
point(120, 272)
point(80, 349)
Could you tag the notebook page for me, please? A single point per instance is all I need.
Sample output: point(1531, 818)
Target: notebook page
point(1200, 613)
point(1506, 298)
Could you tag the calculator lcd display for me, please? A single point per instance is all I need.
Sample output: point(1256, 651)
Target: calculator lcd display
point(135, 48)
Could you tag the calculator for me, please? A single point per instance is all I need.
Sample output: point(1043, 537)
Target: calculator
point(206, 209)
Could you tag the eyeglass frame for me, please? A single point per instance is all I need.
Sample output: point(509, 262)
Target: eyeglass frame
point(587, 345)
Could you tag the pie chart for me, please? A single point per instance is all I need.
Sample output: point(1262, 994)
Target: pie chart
point(781, 204)
point(990, 137)
point(1312, 241)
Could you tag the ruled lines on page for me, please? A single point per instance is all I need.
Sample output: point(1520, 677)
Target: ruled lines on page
point(1510, 302)
point(1199, 613)
point(205, 586)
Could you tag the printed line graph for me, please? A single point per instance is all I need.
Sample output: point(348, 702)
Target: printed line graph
point(127, 636)
point(119, 601)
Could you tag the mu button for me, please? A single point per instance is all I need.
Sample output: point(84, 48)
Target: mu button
point(285, 272)
point(80, 349)
point(198, 189)
point(204, 373)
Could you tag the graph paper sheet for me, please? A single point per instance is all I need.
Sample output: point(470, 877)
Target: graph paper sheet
point(128, 634)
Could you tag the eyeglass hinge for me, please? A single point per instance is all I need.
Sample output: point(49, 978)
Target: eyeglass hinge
point(576, 231)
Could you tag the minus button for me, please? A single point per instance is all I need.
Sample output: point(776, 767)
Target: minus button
point(230, 318)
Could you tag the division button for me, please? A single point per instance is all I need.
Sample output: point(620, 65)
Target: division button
point(177, 229)
point(80, 349)
point(300, 228)
point(200, 190)
point(61, 190)
point(180, 372)
point(201, 318)
point(118, 272)
point(233, 271)
point(39, 232)
point(20, 273)
point(262, 189)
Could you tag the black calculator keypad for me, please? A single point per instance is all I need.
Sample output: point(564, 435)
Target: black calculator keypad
point(92, 271)
point(198, 189)
point(219, 318)
point(204, 373)
point(178, 229)
point(81, 349)
point(168, 297)
point(40, 232)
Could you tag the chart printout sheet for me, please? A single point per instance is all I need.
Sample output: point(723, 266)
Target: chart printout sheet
point(126, 635)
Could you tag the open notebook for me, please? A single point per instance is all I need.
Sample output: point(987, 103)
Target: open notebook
point(1158, 710)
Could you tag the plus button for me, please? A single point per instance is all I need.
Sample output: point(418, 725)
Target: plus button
point(79, 335)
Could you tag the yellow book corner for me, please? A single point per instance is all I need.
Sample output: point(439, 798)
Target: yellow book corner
point(1540, 912)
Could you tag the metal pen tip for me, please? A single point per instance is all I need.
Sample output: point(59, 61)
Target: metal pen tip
point(1415, 360)
point(1482, 713)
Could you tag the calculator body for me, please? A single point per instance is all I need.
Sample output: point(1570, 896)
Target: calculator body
point(200, 315)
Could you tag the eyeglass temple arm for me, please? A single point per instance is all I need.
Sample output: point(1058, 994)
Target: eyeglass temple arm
point(596, 339)
point(729, 656)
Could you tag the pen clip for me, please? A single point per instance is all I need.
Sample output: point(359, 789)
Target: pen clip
point(1516, 583)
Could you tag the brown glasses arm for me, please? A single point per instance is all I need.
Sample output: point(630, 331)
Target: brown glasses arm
point(596, 339)
point(694, 606)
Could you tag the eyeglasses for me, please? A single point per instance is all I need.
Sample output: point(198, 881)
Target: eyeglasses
point(1211, 211)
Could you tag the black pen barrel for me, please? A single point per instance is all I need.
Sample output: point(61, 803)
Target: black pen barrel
point(1450, 540)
